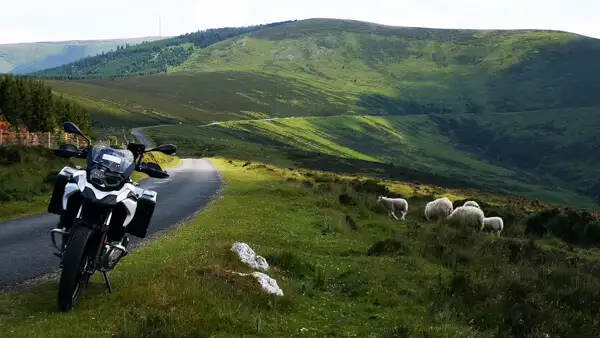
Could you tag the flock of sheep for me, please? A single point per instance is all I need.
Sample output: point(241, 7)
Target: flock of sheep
point(470, 214)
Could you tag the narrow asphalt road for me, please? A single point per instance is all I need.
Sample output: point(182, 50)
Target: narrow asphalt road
point(25, 245)
point(137, 133)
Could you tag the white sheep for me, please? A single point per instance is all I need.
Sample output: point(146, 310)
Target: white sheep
point(494, 224)
point(394, 204)
point(472, 204)
point(469, 216)
point(438, 209)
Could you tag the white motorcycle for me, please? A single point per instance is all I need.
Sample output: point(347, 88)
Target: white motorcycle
point(98, 206)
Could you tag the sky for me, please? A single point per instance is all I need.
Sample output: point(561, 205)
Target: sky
point(59, 20)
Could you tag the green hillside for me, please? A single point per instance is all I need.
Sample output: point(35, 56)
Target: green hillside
point(332, 67)
point(22, 58)
point(398, 70)
point(147, 58)
point(468, 82)
point(417, 148)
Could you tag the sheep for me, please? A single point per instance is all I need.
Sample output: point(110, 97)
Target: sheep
point(469, 216)
point(495, 224)
point(471, 203)
point(394, 204)
point(438, 209)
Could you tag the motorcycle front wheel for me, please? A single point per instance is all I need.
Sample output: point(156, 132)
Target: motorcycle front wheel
point(74, 277)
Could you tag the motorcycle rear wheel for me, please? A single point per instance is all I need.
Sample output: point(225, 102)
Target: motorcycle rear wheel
point(74, 277)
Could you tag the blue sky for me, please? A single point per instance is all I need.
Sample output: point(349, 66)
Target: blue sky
point(43, 20)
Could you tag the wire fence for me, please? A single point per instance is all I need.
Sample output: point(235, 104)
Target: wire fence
point(48, 140)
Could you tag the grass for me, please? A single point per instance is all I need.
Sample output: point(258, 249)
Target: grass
point(410, 143)
point(27, 177)
point(368, 276)
point(20, 58)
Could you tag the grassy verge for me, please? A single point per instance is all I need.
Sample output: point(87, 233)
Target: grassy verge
point(346, 270)
point(26, 180)
point(19, 209)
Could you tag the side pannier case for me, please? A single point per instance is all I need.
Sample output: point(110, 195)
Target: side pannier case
point(55, 206)
point(138, 226)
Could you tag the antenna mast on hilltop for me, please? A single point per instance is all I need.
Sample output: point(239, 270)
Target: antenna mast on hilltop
point(159, 27)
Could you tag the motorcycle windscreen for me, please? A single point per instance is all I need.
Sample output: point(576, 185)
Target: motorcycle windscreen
point(115, 160)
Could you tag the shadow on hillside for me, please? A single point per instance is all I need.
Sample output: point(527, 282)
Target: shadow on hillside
point(526, 149)
point(556, 76)
point(376, 104)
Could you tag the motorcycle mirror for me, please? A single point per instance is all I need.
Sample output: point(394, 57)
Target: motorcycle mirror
point(72, 128)
point(168, 149)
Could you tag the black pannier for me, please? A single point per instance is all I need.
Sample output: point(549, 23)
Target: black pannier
point(63, 177)
point(138, 226)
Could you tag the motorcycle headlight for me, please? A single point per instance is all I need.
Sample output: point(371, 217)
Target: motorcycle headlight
point(105, 179)
point(113, 180)
point(97, 176)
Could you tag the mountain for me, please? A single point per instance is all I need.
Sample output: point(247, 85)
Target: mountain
point(23, 58)
point(368, 68)
point(148, 58)
point(520, 103)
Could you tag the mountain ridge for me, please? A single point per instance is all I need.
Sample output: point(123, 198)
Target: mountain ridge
point(23, 58)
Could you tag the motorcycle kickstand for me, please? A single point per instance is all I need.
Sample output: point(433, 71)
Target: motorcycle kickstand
point(106, 282)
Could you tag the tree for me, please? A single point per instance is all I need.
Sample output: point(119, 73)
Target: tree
point(30, 103)
point(41, 117)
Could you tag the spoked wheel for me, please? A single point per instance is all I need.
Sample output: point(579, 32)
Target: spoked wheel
point(74, 277)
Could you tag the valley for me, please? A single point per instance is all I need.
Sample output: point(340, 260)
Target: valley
point(308, 122)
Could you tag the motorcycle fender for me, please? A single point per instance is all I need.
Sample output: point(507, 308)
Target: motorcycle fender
point(130, 208)
point(70, 189)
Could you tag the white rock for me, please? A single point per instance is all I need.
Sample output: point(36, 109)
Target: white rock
point(268, 283)
point(249, 257)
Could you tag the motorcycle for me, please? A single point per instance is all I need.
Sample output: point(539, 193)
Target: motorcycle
point(98, 206)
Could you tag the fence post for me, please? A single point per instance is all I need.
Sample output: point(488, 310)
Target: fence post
point(77, 141)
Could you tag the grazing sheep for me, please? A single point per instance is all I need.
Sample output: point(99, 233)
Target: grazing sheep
point(494, 224)
point(472, 204)
point(394, 204)
point(438, 210)
point(469, 216)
